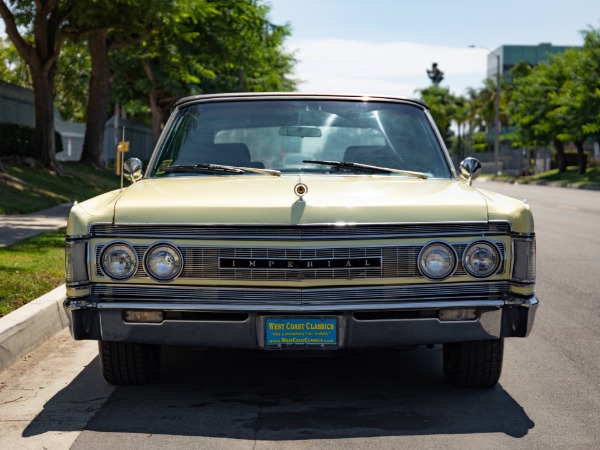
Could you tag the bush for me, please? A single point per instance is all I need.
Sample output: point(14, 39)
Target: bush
point(19, 140)
point(16, 140)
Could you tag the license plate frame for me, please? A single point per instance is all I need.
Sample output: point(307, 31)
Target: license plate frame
point(301, 332)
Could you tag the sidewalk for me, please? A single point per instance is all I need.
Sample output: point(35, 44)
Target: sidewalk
point(24, 329)
point(17, 227)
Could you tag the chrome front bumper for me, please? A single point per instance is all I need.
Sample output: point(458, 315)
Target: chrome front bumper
point(240, 326)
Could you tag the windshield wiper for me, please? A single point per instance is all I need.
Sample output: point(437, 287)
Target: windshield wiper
point(272, 172)
point(218, 168)
point(360, 166)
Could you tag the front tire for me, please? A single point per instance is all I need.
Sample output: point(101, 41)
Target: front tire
point(123, 363)
point(473, 363)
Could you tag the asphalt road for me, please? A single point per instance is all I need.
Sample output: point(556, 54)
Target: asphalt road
point(548, 396)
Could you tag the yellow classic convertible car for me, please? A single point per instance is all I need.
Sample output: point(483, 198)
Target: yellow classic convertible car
point(289, 222)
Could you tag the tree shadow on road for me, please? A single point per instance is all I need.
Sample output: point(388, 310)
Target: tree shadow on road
point(242, 396)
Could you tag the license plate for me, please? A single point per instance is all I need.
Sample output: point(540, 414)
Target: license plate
point(298, 333)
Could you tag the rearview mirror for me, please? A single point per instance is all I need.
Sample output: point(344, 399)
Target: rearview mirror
point(300, 131)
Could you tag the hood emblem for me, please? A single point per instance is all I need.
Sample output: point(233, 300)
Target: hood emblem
point(300, 190)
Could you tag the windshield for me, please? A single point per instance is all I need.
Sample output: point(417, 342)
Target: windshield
point(286, 135)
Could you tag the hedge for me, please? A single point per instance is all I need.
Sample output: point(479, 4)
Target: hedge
point(18, 140)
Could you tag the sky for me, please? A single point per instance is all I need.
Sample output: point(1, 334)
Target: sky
point(386, 46)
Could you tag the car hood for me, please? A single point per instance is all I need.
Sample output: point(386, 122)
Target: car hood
point(271, 201)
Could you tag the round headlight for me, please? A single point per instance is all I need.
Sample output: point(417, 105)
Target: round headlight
point(481, 259)
point(119, 261)
point(163, 262)
point(437, 261)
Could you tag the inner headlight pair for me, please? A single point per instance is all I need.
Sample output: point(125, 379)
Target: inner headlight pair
point(438, 260)
point(162, 262)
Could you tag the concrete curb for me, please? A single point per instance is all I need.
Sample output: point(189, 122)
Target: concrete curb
point(27, 327)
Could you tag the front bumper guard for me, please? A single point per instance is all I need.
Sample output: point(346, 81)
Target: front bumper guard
point(512, 317)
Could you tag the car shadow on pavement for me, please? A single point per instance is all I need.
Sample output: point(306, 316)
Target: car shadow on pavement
point(269, 397)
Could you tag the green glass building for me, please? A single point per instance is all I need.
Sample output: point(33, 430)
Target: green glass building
point(512, 54)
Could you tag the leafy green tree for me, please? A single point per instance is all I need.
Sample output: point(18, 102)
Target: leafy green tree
point(558, 101)
point(486, 100)
point(474, 137)
point(461, 118)
point(567, 104)
point(155, 51)
point(38, 30)
point(216, 46)
point(532, 108)
point(167, 64)
point(442, 105)
point(577, 102)
point(12, 67)
point(108, 26)
point(589, 78)
point(70, 82)
point(249, 49)
point(485, 104)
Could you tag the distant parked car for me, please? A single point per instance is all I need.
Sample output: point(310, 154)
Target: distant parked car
point(365, 238)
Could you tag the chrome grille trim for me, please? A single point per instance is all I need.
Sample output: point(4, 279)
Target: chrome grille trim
point(399, 261)
point(496, 304)
point(305, 297)
point(295, 232)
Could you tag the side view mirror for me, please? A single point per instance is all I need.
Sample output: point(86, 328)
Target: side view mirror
point(470, 168)
point(132, 169)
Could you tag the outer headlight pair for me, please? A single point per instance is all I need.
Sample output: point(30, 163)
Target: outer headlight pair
point(162, 262)
point(438, 260)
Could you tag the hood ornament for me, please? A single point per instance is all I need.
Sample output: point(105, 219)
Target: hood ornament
point(300, 189)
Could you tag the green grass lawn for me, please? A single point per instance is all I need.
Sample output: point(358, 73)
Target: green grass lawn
point(30, 268)
point(571, 176)
point(42, 189)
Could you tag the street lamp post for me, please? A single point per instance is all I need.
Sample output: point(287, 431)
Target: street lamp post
point(496, 108)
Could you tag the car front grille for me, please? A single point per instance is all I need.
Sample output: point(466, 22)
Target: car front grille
point(396, 262)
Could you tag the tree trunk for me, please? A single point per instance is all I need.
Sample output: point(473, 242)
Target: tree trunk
point(459, 144)
point(581, 157)
point(156, 116)
point(40, 55)
point(45, 145)
point(560, 156)
point(98, 98)
point(241, 81)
